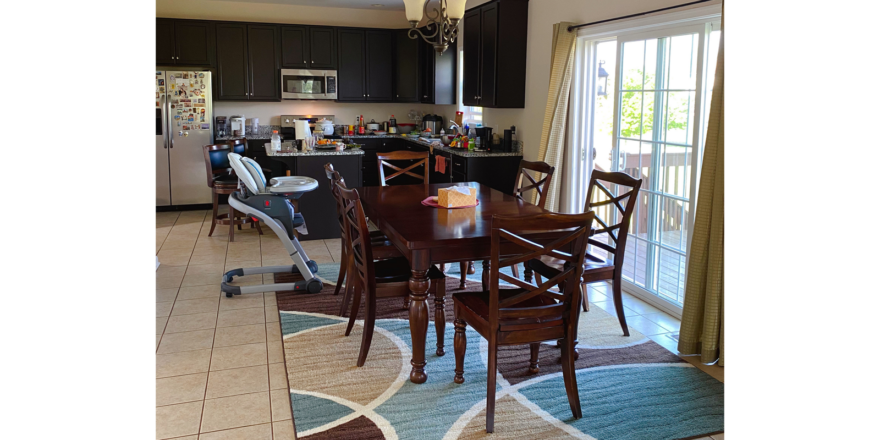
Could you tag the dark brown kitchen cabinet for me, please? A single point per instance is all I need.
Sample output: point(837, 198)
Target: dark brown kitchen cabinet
point(322, 47)
point(379, 65)
point(494, 45)
point(184, 42)
point(439, 75)
point(352, 68)
point(295, 47)
point(263, 74)
point(164, 41)
point(232, 62)
point(406, 67)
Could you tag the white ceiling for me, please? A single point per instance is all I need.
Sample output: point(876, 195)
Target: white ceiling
point(388, 5)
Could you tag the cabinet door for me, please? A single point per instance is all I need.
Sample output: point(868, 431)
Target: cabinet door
point(471, 80)
point(406, 71)
point(322, 44)
point(488, 51)
point(427, 63)
point(232, 62)
point(294, 47)
point(164, 42)
point(445, 75)
point(193, 42)
point(379, 65)
point(263, 62)
point(352, 65)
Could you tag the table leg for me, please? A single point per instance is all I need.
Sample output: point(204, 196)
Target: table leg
point(418, 322)
point(485, 275)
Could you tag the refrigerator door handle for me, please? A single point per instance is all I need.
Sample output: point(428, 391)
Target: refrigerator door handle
point(163, 100)
point(168, 121)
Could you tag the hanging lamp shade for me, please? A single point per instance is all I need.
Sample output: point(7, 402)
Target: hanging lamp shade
point(414, 9)
point(455, 9)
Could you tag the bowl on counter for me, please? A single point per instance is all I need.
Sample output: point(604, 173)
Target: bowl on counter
point(447, 139)
point(405, 128)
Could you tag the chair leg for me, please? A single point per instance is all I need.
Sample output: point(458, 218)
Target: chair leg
point(471, 269)
point(231, 224)
point(460, 341)
point(355, 307)
point(214, 200)
point(527, 274)
point(490, 385)
point(439, 288)
point(515, 270)
point(259, 229)
point(569, 378)
point(585, 302)
point(443, 267)
point(406, 302)
point(538, 279)
point(369, 325)
point(342, 270)
point(618, 304)
point(535, 349)
point(485, 277)
point(463, 267)
point(349, 286)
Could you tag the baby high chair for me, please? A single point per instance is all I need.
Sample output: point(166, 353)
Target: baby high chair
point(271, 204)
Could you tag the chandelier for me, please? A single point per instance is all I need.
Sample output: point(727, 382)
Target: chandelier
point(445, 21)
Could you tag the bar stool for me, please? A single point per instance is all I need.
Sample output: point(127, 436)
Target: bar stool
point(222, 180)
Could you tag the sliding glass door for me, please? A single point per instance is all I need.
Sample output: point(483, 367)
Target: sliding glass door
point(659, 91)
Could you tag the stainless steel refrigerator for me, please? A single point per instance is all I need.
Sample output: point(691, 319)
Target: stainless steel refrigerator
point(184, 124)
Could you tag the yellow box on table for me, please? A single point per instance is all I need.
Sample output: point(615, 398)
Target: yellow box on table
point(454, 196)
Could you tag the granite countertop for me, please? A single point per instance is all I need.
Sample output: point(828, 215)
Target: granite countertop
point(456, 151)
point(346, 152)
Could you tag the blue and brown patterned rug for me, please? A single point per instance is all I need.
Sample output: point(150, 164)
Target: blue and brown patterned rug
point(630, 387)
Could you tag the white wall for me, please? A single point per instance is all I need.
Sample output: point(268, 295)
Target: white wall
point(279, 13)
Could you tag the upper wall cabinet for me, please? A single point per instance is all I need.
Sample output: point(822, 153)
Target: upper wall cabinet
point(439, 74)
point(184, 42)
point(351, 74)
point(406, 67)
point(380, 60)
point(495, 39)
point(247, 62)
point(308, 47)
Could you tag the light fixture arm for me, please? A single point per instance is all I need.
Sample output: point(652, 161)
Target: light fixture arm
point(447, 28)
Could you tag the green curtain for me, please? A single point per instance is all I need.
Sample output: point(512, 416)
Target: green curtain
point(702, 321)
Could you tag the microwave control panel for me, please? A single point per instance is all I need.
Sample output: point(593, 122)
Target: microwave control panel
point(331, 84)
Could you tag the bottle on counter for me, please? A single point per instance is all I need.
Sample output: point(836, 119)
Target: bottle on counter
point(473, 140)
point(361, 128)
point(392, 125)
point(276, 141)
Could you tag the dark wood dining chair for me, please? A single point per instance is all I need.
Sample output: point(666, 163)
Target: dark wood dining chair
point(383, 249)
point(222, 180)
point(519, 187)
point(609, 237)
point(421, 158)
point(381, 279)
point(531, 313)
point(239, 146)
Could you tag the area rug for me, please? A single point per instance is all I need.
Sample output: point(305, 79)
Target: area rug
point(630, 387)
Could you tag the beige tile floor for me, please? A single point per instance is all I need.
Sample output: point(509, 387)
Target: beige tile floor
point(219, 362)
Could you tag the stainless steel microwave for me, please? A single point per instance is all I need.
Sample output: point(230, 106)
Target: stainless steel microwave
point(308, 84)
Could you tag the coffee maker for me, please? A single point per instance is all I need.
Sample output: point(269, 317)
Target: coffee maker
point(237, 125)
point(220, 126)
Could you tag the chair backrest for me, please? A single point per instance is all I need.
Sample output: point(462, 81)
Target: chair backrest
point(216, 160)
point(421, 158)
point(335, 178)
point(613, 221)
point(570, 247)
point(239, 146)
point(539, 185)
point(249, 172)
point(357, 238)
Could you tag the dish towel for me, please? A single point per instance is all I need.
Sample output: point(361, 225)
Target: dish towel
point(440, 165)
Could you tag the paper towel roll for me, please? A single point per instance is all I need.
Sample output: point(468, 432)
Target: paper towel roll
point(302, 129)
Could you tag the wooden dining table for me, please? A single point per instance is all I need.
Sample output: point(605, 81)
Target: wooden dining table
point(427, 235)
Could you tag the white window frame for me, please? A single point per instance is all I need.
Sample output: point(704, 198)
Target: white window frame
point(580, 140)
point(469, 111)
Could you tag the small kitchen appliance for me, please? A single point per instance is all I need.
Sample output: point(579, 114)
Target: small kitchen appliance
point(237, 123)
point(308, 84)
point(288, 129)
point(220, 125)
point(485, 135)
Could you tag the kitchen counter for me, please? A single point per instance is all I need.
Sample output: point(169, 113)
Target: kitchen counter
point(346, 152)
point(456, 151)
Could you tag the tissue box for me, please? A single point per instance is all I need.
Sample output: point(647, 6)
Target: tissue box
point(451, 198)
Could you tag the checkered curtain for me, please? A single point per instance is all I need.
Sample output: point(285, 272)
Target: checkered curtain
point(552, 147)
point(702, 322)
